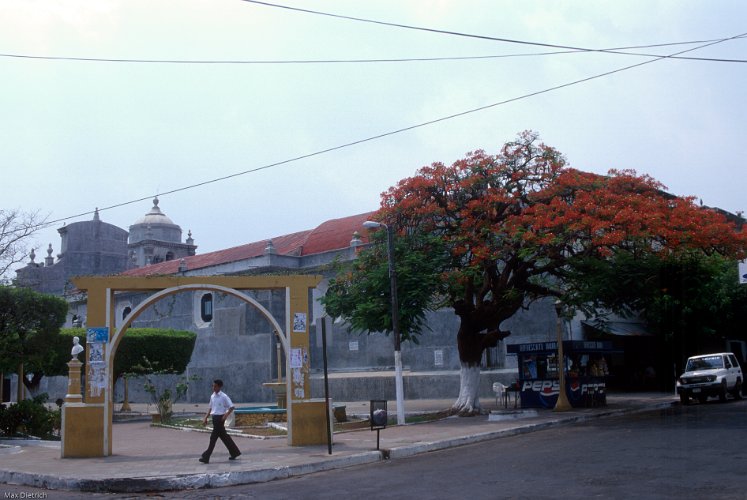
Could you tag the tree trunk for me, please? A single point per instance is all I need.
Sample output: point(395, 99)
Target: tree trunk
point(126, 402)
point(33, 384)
point(468, 402)
point(19, 389)
point(471, 343)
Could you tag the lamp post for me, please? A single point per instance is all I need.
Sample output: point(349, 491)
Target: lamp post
point(399, 386)
point(562, 404)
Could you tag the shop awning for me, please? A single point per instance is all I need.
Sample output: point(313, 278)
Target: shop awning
point(619, 328)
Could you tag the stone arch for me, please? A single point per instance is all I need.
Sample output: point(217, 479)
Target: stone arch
point(152, 299)
point(86, 426)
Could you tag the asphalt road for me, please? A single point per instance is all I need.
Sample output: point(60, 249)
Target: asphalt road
point(683, 452)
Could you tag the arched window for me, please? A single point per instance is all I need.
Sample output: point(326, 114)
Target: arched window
point(206, 307)
point(169, 256)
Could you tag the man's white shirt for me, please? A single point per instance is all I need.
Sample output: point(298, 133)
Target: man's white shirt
point(220, 403)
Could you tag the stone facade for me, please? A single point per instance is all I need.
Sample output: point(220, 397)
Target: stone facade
point(237, 344)
point(88, 248)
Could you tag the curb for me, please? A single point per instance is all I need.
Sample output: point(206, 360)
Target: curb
point(186, 481)
point(215, 480)
point(411, 450)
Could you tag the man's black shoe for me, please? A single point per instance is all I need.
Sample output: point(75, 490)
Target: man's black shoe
point(234, 457)
point(204, 460)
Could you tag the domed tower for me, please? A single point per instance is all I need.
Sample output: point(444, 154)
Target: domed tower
point(89, 248)
point(155, 238)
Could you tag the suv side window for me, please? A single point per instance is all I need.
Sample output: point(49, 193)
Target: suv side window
point(733, 360)
point(727, 363)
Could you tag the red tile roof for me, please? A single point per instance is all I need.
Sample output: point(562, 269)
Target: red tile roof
point(331, 235)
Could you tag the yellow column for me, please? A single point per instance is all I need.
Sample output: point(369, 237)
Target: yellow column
point(307, 418)
point(299, 342)
point(87, 426)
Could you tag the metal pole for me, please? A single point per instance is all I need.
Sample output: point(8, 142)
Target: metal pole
point(562, 404)
point(399, 386)
point(326, 384)
point(279, 358)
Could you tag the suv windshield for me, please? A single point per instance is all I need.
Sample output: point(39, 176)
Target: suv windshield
point(704, 363)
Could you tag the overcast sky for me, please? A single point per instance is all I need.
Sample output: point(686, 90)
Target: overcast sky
point(76, 135)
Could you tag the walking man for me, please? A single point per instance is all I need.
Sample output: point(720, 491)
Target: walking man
point(220, 409)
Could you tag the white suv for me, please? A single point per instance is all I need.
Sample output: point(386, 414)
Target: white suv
point(710, 375)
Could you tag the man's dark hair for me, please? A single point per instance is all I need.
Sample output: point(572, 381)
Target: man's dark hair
point(219, 382)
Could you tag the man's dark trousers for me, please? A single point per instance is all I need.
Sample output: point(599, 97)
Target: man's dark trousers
point(219, 431)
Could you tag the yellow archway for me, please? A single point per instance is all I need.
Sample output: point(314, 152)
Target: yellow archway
point(87, 423)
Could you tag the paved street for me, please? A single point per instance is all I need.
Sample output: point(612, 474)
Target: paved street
point(676, 453)
point(688, 452)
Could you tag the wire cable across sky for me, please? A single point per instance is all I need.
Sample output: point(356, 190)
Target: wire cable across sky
point(397, 131)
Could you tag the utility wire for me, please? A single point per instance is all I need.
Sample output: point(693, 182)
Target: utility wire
point(394, 132)
point(617, 51)
point(459, 34)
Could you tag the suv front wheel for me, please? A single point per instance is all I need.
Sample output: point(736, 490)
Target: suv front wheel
point(722, 392)
point(737, 393)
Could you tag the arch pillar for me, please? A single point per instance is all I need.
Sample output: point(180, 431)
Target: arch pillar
point(87, 426)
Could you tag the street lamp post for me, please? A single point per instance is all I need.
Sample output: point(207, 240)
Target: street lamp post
point(399, 386)
point(562, 404)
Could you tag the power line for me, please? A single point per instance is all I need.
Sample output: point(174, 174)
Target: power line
point(390, 133)
point(393, 132)
point(563, 49)
point(276, 61)
point(616, 51)
point(466, 35)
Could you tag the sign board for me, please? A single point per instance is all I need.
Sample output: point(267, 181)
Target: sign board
point(743, 272)
point(98, 334)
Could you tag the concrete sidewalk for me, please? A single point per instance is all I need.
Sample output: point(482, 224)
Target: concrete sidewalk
point(155, 459)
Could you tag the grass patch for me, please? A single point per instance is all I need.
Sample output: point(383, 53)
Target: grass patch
point(196, 423)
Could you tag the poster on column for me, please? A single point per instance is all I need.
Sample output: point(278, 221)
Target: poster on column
point(97, 376)
point(299, 369)
point(299, 323)
point(97, 334)
point(96, 339)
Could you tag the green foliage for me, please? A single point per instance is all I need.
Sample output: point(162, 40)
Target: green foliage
point(689, 301)
point(361, 291)
point(166, 348)
point(29, 323)
point(30, 417)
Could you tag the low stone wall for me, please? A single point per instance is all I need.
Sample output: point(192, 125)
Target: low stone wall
point(349, 386)
point(417, 385)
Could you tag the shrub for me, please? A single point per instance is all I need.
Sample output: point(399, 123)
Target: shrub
point(30, 417)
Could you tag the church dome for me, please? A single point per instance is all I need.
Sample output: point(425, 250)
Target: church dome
point(155, 225)
point(155, 216)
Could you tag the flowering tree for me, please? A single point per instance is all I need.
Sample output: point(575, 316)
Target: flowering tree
point(511, 227)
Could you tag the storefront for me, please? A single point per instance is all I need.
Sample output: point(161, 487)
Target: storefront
point(586, 371)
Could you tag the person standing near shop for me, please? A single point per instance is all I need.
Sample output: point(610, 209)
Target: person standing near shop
point(220, 409)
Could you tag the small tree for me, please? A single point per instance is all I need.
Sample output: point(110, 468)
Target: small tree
point(16, 229)
point(29, 323)
point(163, 397)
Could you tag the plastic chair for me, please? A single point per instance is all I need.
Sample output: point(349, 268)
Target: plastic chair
point(500, 392)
